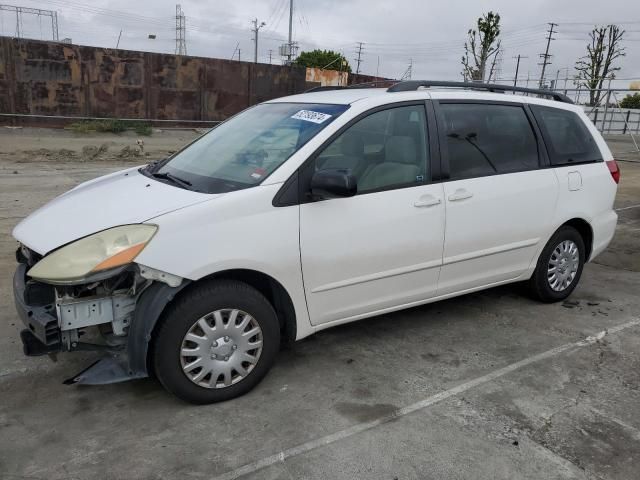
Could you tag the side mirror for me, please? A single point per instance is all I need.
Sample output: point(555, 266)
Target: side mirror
point(333, 183)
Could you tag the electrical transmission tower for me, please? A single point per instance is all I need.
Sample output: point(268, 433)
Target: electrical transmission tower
point(19, 11)
point(496, 67)
point(359, 59)
point(181, 32)
point(407, 73)
point(546, 56)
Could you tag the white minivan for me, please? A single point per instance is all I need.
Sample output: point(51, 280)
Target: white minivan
point(310, 211)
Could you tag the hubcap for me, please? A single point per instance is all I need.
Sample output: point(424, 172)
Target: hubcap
point(221, 348)
point(563, 265)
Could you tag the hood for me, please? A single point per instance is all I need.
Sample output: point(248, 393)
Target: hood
point(120, 198)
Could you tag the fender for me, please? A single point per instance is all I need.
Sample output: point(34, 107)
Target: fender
point(149, 307)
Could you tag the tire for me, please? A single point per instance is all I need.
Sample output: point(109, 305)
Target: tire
point(213, 315)
point(548, 288)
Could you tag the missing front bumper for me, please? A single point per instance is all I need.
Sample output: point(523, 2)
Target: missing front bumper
point(40, 319)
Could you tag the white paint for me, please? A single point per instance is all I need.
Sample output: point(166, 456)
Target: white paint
point(370, 252)
point(493, 235)
point(421, 405)
point(120, 198)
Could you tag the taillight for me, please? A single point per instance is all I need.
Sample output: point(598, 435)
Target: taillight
point(614, 170)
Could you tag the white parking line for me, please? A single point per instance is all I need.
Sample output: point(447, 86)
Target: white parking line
point(427, 402)
point(627, 208)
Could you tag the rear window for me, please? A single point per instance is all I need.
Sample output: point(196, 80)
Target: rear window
point(567, 138)
point(488, 139)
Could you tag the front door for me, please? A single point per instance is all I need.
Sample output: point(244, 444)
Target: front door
point(381, 248)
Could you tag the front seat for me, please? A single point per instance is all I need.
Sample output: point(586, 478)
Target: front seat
point(401, 165)
point(351, 153)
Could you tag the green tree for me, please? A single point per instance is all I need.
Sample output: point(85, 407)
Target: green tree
point(327, 59)
point(598, 64)
point(631, 101)
point(481, 45)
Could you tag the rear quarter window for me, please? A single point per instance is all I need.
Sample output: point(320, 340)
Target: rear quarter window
point(567, 138)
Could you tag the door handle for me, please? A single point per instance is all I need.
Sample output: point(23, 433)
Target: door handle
point(427, 201)
point(460, 194)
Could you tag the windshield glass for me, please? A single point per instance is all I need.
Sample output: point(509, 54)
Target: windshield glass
point(244, 150)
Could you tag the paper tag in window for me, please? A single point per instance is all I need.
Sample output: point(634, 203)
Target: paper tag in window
point(311, 116)
point(258, 173)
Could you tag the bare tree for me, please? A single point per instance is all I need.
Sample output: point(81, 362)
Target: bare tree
point(481, 45)
point(598, 64)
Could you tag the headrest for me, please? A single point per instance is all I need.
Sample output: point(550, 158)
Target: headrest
point(401, 150)
point(352, 144)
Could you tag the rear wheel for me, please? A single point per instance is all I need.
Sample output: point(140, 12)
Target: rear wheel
point(216, 343)
point(559, 267)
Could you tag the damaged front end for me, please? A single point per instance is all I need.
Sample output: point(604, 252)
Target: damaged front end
point(113, 313)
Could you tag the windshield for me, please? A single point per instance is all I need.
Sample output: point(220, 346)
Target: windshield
point(244, 150)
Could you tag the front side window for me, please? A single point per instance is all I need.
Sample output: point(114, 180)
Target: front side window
point(244, 150)
point(385, 149)
point(488, 139)
point(567, 137)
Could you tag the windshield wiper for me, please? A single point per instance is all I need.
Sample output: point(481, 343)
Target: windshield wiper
point(173, 178)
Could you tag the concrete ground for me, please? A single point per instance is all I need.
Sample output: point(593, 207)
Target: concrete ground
point(487, 386)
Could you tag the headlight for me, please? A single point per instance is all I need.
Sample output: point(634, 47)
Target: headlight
point(101, 251)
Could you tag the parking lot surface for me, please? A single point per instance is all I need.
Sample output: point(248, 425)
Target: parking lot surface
point(489, 385)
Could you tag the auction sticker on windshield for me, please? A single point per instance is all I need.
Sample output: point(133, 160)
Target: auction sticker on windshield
point(311, 116)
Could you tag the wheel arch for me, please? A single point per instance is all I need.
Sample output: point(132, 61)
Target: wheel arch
point(586, 232)
point(161, 296)
point(272, 289)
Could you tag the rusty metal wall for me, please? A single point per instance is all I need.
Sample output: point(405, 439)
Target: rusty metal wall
point(326, 78)
point(46, 78)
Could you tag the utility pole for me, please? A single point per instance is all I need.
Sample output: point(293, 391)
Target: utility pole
point(256, 28)
point(270, 56)
point(181, 30)
point(359, 59)
point(515, 80)
point(290, 52)
point(545, 56)
point(118, 42)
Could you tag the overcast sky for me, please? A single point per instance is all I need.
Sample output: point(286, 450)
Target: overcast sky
point(430, 34)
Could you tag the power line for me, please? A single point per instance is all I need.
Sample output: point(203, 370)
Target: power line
point(545, 56)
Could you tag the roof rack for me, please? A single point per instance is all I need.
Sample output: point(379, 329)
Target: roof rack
point(324, 88)
point(411, 85)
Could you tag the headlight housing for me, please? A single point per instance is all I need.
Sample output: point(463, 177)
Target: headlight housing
point(90, 255)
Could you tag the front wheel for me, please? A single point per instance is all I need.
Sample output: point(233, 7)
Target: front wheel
point(216, 342)
point(559, 267)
